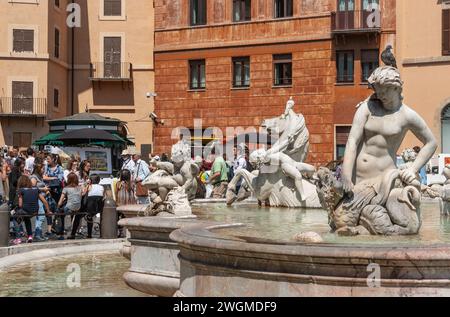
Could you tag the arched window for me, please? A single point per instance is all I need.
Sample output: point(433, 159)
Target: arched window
point(446, 129)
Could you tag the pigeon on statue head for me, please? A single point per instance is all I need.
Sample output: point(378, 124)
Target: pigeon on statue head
point(388, 57)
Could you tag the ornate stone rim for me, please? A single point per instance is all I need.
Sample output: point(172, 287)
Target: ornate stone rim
point(202, 236)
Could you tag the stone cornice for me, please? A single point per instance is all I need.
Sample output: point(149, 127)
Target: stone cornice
point(426, 60)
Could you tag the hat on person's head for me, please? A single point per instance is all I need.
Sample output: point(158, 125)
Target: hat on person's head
point(125, 153)
point(132, 151)
point(157, 158)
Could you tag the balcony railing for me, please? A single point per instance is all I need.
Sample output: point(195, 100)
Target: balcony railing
point(111, 72)
point(23, 107)
point(359, 21)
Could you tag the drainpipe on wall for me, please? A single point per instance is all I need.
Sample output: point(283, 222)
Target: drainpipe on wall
point(72, 88)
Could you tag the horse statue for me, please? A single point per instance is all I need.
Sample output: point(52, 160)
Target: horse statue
point(281, 179)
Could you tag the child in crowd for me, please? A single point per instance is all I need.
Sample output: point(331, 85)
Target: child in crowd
point(28, 204)
point(71, 196)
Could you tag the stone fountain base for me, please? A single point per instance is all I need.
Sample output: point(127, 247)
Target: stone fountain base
point(214, 266)
point(173, 256)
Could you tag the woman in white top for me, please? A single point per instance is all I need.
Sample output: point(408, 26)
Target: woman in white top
point(95, 193)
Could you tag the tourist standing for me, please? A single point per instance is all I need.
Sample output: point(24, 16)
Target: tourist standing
point(125, 189)
point(141, 172)
point(219, 175)
point(71, 196)
point(54, 178)
point(28, 203)
point(96, 194)
point(85, 171)
point(29, 163)
point(127, 161)
point(72, 167)
point(13, 178)
point(37, 181)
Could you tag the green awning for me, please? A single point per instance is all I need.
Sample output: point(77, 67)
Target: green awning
point(123, 139)
point(49, 139)
point(53, 139)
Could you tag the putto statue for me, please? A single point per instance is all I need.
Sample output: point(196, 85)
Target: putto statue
point(374, 196)
point(173, 185)
point(281, 179)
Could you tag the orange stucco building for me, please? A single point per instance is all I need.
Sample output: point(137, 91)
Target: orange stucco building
point(235, 63)
point(50, 70)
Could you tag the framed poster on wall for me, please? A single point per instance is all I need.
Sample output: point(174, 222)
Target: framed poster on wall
point(101, 160)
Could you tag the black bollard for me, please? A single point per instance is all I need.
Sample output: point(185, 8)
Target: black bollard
point(4, 225)
point(109, 220)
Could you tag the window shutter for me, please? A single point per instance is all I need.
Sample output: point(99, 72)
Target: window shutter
point(446, 32)
point(117, 7)
point(17, 41)
point(28, 40)
point(112, 7)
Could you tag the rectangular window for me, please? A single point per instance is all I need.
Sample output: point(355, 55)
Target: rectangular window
point(283, 8)
point(23, 40)
point(282, 69)
point(369, 62)
point(57, 3)
point(342, 134)
point(446, 32)
point(345, 66)
point(241, 72)
point(197, 74)
point(22, 97)
point(242, 10)
point(198, 12)
point(112, 57)
point(57, 43)
point(56, 98)
point(112, 8)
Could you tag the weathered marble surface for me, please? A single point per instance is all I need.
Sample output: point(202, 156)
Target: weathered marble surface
point(281, 178)
point(173, 185)
point(154, 266)
point(374, 196)
point(212, 265)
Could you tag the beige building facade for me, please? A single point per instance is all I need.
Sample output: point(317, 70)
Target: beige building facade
point(423, 54)
point(49, 70)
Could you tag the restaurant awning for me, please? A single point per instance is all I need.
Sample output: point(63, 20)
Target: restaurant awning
point(50, 139)
point(53, 138)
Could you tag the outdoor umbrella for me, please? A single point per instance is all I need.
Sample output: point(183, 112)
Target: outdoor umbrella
point(91, 135)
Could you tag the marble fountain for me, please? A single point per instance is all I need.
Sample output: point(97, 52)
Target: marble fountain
point(306, 233)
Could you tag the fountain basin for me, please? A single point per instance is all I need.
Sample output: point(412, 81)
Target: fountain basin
point(210, 256)
point(155, 268)
point(217, 265)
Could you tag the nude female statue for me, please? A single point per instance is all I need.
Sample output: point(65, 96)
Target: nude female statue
point(374, 196)
point(378, 129)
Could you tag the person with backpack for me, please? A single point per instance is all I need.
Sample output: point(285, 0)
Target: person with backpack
point(219, 175)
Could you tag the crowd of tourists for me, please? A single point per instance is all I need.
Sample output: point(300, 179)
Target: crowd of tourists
point(36, 186)
point(215, 172)
point(39, 190)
